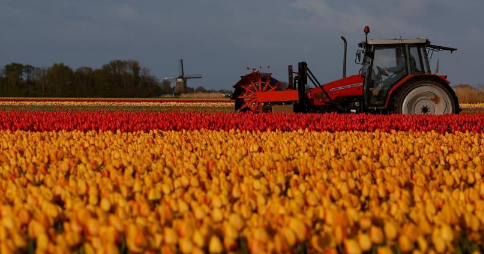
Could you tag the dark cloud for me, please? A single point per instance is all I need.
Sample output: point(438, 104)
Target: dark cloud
point(219, 38)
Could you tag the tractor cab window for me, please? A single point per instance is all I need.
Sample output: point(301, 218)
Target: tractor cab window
point(389, 66)
point(418, 60)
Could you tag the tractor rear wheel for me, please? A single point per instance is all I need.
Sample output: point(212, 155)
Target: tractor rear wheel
point(425, 97)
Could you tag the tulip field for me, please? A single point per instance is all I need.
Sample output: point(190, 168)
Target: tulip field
point(143, 105)
point(181, 176)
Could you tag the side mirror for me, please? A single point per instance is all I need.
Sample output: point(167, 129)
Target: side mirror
point(358, 57)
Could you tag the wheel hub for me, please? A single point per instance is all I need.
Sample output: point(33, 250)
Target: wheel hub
point(425, 107)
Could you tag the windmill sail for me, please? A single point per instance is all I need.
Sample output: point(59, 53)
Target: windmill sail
point(193, 76)
point(182, 72)
point(181, 80)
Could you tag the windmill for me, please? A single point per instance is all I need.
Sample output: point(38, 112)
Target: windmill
point(181, 81)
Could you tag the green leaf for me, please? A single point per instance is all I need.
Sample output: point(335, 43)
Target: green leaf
point(59, 226)
point(31, 245)
point(80, 249)
point(123, 248)
point(473, 247)
point(458, 250)
point(243, 245)
point(300, 248)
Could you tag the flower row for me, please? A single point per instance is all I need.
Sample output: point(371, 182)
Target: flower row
point(145, 121)
point(472, 105)
point(15, 101)
point(233, 191)
point(127, 103)
point(105, 100)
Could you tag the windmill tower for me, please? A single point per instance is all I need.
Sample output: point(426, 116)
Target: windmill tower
point(181, 80)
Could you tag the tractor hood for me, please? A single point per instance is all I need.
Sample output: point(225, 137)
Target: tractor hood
point(350, 86)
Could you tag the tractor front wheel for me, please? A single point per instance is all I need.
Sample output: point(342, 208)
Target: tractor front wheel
point(425, 97)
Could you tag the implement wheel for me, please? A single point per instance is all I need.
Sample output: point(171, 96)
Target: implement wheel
point(247, 100)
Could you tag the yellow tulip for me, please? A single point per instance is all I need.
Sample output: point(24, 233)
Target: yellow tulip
point(170, 236)
point(390, 230)
point(364, 241)
point(352, 247)
point(299, 228)
point(384, 250)
point(186, 246)
point(405, 244)
point(215, 245)
point(42, 242)
point(376, 235)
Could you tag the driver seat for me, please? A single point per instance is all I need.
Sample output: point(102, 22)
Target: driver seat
point(379, 92)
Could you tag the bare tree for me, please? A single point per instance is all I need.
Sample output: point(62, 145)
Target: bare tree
point(29, 73)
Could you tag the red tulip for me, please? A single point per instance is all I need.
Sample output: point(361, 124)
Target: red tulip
point(145, 121)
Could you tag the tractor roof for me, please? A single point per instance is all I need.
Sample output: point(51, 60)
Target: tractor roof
point(397, 41)
point(407, 41)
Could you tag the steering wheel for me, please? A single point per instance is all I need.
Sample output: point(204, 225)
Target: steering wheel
point(381, 71)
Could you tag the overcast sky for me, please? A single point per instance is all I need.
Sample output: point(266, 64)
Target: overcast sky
point(220, 38)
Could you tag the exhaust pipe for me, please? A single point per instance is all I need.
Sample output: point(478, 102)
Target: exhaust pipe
point(344, 60)
point(291, 77)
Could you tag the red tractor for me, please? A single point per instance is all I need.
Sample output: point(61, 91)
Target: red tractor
point(395, 78)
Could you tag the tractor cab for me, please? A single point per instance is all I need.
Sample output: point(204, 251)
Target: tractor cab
point(389, 66)
point(387, 62)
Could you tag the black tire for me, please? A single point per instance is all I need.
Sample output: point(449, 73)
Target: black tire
point(238, 104)
point(238, 101)
point(413, 99)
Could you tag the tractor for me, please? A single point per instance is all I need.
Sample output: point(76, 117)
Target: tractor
point(395, 77)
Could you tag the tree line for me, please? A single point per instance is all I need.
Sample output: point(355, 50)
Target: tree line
point(117, 79)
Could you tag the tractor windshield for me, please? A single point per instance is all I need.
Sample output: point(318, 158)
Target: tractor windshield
point(388, 67)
